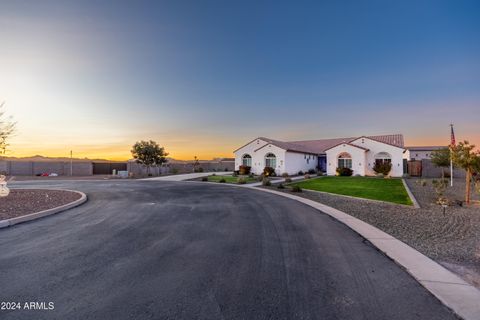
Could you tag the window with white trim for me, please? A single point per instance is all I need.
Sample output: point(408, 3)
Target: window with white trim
point(247, 160)
point(270, 160)
point(345, 160)
point(383, 157)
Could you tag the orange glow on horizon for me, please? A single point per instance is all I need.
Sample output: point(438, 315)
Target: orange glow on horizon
point(185, 151)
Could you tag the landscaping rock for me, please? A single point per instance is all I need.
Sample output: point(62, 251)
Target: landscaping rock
point(25, 201)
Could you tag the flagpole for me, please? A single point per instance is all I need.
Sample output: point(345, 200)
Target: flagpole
point(451, 169)
point(452, 144)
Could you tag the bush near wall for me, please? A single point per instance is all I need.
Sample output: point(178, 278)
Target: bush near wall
point(244, 170)
point(344, 172)
point(268, 172)
point(383, 168)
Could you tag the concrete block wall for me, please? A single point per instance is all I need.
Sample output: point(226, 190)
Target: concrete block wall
point(31, 168)
point(429, 170)
point(137, 170)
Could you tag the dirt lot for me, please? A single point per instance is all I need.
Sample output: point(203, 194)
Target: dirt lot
point(25, 201)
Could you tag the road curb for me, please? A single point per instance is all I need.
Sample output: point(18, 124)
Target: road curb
point(410, 194)
point(459, 296)
point(37, 215)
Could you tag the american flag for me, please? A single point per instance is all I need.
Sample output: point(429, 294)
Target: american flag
point(452, 137)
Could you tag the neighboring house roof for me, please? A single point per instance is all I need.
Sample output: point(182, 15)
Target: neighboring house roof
point(425, 148)
point(321, 145)
point(352, 145)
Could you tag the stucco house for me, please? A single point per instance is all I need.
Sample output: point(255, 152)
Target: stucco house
point(359, 154)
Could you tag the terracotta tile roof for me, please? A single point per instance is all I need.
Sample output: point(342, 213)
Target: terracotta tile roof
point(391, 139)
point(289, 146)
point(321, 145)
point(324, 144)
point(350, 144)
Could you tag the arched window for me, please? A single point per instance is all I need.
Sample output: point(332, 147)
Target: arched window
point(270, 160)
point(345, 160)
point(383, 157)
point(247, 160)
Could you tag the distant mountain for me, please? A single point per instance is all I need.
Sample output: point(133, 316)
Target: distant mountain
point(43, 158)
point(67, 159)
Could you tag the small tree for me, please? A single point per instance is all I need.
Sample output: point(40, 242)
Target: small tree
point(149, 153)
point(465, 157)
point(196, 164)
point(441, 158)
point(7, 128)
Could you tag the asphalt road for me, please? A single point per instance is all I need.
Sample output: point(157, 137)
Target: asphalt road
point(179, 250)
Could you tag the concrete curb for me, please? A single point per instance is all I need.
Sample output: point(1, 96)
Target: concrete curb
point(185, 176)
point(462, 298)
point(410, 194)
point(36, 215)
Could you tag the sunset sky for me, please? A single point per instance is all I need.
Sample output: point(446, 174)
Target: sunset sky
point(204, 77)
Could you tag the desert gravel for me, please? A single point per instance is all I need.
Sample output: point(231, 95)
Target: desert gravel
point(452, 239)
point(25, 201)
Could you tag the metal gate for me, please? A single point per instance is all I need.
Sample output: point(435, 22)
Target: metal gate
point(108, 167)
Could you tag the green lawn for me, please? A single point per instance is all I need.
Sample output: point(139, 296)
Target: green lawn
point(391, 190)
point(230, 179)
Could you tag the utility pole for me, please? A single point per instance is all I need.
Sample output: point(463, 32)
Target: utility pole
point(71, 163)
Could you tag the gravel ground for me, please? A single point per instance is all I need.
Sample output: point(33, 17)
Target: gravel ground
point(452, 239)
point(25, 201)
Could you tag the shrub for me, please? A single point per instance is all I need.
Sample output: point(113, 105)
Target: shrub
point(268, 172)
point(307, 176)
point(244, 170)
point(288, 180)
point(296, 189)
point(204, 179)
point(421, 182)
point(242, 181)
point(214, 174)
point(344, 172)
point(235, 174)
point(266, 182)
point(222, 180)
point(281, 186)
point(311, 171)
point(284, 174)
point(300, 173)
point(383, 168)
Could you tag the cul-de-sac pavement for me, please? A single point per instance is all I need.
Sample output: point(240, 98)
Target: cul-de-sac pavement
point(181, 250)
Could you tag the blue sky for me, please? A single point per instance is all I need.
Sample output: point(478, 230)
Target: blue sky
point(202, 77)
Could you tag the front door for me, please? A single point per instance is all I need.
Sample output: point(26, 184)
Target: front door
point(322, 163)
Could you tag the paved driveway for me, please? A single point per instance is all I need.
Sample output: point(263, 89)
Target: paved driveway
point(179, 250)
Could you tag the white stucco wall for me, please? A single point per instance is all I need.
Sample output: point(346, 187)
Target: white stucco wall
point(417, 155)
point(376, 147)
point(358, 159)
point(296, 162)
point(258, 157)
